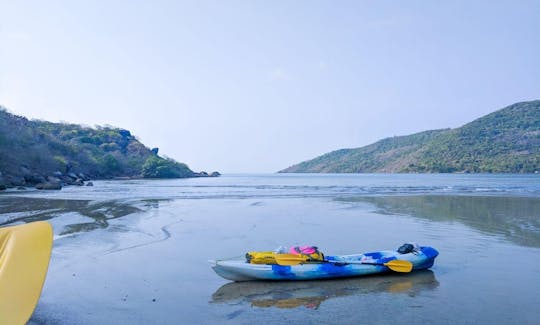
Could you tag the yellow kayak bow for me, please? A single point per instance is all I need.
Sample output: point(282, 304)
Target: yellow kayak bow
point(25, 251)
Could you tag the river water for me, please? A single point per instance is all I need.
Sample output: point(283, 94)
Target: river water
point(135, 252)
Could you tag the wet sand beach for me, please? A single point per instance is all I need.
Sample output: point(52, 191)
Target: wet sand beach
point(136, 251)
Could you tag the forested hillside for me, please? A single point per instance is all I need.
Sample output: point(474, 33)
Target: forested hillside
point(506, 141)
point(35, 152)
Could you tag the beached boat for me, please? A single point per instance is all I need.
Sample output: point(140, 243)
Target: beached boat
point(288, 267)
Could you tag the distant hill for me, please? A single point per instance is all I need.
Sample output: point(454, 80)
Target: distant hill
point(33, 152)
point(506, 141)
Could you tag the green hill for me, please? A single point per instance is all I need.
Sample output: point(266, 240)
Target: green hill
point(34, 151)
point(506, 141)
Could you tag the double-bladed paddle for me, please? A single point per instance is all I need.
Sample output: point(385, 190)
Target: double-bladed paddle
point(394, 265)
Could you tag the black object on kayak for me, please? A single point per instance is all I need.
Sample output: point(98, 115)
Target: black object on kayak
point(405, 249)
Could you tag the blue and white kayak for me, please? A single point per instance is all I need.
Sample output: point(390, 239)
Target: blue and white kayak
point(337, 266)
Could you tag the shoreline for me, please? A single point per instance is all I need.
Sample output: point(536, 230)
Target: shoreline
point(58, 180)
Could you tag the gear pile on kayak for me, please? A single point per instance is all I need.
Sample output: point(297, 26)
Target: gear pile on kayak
point(308, 263)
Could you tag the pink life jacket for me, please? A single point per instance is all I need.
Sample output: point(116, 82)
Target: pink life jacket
point(306, 250)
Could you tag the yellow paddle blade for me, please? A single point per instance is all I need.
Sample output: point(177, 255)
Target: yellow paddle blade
point(25, 251)
point(399, 266)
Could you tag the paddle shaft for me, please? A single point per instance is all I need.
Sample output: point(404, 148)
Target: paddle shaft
point(351, 262)
point(394, 265)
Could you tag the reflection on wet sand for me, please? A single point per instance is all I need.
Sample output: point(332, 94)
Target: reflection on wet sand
point(311, 294)
point(23, 209)
point(515, 218)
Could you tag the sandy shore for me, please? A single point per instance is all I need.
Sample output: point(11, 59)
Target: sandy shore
point(143, 261)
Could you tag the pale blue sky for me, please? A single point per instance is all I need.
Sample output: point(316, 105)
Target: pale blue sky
point(255, 86)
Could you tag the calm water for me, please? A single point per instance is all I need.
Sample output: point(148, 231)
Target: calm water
point(135, 252)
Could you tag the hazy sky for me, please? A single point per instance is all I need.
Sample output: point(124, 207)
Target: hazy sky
point(255, 86)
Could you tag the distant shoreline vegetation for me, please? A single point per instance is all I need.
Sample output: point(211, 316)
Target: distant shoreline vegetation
point(49, 155)
point(506, 141)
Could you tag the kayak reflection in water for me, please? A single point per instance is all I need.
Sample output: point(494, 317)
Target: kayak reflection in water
point(310, 294)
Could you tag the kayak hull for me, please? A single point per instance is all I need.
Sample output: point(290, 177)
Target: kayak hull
point(336, 267)
point(25, 251)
